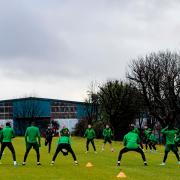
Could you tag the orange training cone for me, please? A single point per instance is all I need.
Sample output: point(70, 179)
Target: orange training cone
point(121, 175)
point(89, 164)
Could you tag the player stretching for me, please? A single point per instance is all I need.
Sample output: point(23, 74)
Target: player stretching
point(48, 138)
point(147, 133)
point(170, 145)
point(64, 145)
point(7, 134)
point(90, 135)
point(107, 134)
point(31, 136)
point(152, 142)
point(131, 142)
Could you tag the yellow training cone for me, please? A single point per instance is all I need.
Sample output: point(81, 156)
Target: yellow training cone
point(121, 175)
point(89, 164)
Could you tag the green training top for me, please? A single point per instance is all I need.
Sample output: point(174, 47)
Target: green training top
point(170, 135)
point(153, 138)
point(31, 135)
point(147, 132)
point(131, 140)
point(64, 140)
point(136, 130)
point(7, 134)
point(107, 133)
point(90, 133)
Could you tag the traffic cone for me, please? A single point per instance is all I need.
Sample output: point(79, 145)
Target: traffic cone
point(89, 164)
point(121, 175)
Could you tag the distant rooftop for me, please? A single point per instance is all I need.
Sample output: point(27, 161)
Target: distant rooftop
point(42, 99)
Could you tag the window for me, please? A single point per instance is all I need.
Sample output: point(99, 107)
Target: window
point(1, 109)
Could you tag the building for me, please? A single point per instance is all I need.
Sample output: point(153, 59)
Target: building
point(20, 112)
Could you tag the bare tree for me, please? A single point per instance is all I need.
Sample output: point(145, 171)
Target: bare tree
point(91, 112)
point(91, 103)
point(157, 76)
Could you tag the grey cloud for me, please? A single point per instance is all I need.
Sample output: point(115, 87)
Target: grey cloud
point(24, 35)
point(81, 39)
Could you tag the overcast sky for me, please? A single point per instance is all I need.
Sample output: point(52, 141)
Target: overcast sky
point(56, 48)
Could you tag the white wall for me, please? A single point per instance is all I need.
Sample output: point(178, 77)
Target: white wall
point(4, 121)
point(69, 123)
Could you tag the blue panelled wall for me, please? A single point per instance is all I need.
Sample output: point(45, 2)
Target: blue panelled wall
point(41, 110)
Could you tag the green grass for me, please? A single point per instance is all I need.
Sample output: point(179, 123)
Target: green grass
point(104, 164)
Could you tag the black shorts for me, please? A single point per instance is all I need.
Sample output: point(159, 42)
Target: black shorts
point(64, 148)
point(34, 145)
point(107, 140)
point(171, 147)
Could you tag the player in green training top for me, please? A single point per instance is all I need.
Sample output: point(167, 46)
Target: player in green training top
point(90, 135)
point(7, 134)
point(107, 134)
point(137, 131)
point(64, 145)
point(152, 142)
point(170, 145)
point(131, 143)
point(147, 133)
point(32, 139)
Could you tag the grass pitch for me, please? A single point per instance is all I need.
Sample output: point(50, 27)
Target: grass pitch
point(104, 164)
